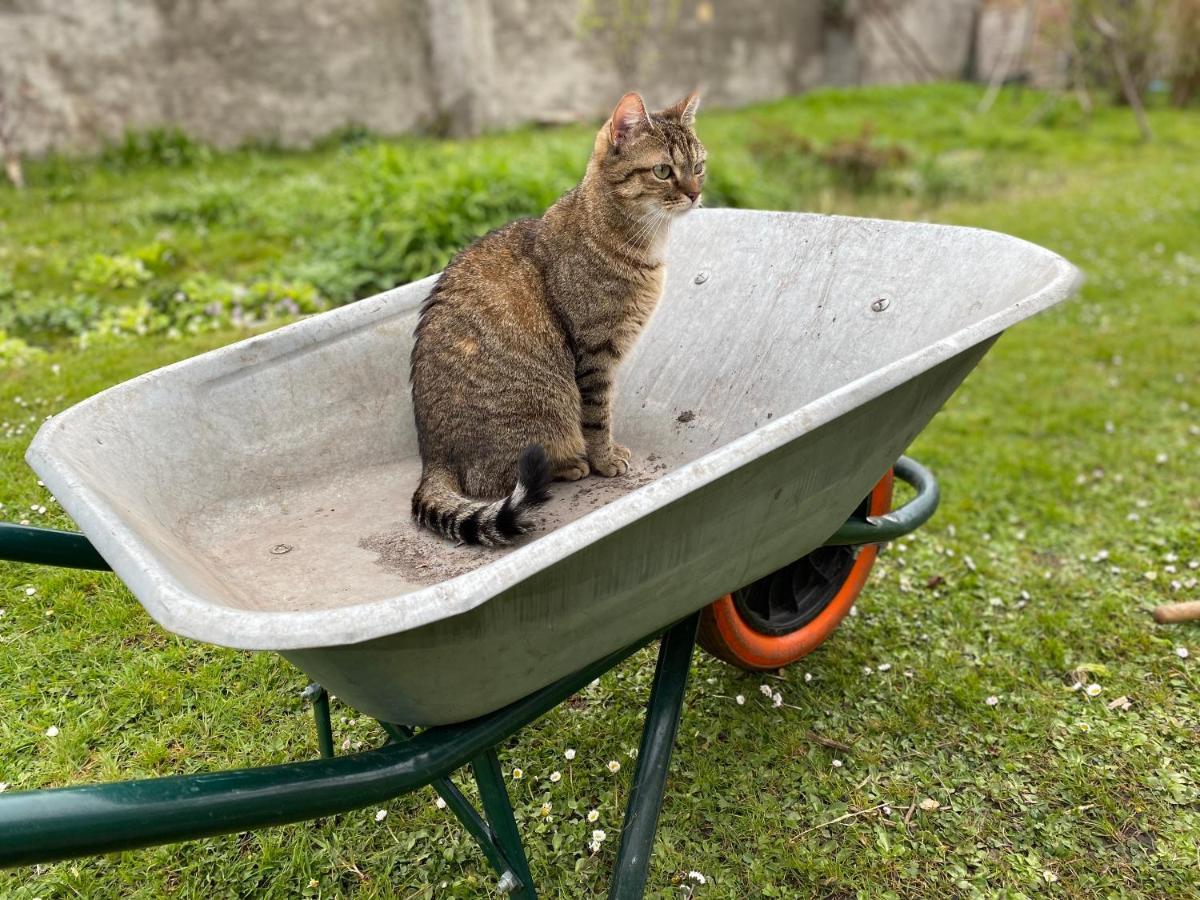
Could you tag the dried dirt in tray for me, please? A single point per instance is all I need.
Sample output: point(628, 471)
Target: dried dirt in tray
point(421, 557)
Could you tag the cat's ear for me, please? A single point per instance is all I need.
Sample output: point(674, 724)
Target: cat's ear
point(628, 119)
point(684, 112)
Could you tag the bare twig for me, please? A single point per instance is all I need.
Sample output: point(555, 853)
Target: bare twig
point(1015, 52)
point(906, 47)
point(8, 130)
point(829, 742)
point(904, 37)
point(1112, 38)
point(849, 815)
point(1048, 103)
point(1074, 76)
point(1078, 78)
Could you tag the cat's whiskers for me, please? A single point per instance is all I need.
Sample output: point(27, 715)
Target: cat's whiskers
point(661, 220)
point(664, 219)
point(646, 226)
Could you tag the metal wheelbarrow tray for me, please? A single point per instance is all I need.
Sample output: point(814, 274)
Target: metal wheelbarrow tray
point(257, 496)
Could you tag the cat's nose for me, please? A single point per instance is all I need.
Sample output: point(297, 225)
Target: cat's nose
point(692, 195)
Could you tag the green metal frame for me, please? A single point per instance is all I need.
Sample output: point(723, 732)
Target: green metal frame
point(899, 522)
point(48, 547)
point(46, 825)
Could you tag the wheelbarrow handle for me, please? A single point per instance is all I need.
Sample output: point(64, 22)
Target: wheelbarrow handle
point(899, 522)
point(41, 826)
point(49, 547)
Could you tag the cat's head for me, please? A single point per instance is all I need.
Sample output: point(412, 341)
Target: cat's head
point(652, 161)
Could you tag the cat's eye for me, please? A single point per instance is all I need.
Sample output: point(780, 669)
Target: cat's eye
point(699, 169)
point(662, 170)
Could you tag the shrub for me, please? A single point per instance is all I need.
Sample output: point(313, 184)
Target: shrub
point(1185, 58)
point(410, 213)
point(204, 303)
point(202, 205)
point(166, 147)
point(15, 352)
point(48, 318)
point(1141, 26)
point(857, 162)
point(102, 272)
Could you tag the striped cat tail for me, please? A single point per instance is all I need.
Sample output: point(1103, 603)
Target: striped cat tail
point(440, 506)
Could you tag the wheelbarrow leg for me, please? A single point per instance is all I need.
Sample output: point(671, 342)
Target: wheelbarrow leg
point(485, 835)
point(320, 701)
point(654, 757)
point(499, 812)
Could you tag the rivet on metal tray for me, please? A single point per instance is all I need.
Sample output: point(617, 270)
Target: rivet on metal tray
point(881, 304)
point(701, 277)
point(280, 549)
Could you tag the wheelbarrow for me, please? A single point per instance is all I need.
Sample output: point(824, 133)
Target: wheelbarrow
point(256, 496)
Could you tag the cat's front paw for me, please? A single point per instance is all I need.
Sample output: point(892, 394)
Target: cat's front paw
point(572, 470)
point(610, 462)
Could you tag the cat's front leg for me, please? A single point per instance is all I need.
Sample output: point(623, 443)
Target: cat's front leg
point(593, 375)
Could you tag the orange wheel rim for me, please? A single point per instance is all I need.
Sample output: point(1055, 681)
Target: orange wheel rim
point(753, 649)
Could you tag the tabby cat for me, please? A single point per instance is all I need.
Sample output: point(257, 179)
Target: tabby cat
point(519, 340)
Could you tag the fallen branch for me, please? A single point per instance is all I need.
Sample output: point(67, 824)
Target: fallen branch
point(1177, 612)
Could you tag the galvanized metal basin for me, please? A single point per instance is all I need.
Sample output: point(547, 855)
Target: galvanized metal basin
point(257, 496)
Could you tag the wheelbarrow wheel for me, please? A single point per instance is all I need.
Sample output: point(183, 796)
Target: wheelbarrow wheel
point(787, 614)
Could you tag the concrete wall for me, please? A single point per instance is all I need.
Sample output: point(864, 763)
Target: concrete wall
point(1014, 45)
point(82, 71)
point(919, 40)
point(223, 70)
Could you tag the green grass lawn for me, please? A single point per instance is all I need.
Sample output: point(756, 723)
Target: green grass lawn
point(1070, 464)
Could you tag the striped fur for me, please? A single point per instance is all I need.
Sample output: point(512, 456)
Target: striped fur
point(439, 505)
point(518, 344)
